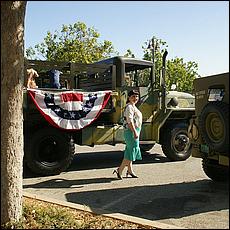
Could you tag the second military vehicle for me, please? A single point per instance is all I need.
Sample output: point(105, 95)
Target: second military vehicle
point(209, 128)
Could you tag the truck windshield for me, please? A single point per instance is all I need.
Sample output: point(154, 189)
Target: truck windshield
point(138, 77)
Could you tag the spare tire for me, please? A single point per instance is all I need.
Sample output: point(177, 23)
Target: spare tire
point(214, 125)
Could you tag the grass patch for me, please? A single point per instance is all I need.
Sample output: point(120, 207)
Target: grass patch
point(43, 215)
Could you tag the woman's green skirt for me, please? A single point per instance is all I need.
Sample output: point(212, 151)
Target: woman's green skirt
point(132, 149)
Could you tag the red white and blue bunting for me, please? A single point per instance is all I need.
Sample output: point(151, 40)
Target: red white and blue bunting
point(69, 110)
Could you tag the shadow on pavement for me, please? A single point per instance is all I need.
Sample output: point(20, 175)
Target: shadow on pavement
point(108, 159)
point(63, 183)
point(153, 202)
point(159, 201)
point(100, 160)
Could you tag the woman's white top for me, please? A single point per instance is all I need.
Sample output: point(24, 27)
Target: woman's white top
point(132, 113)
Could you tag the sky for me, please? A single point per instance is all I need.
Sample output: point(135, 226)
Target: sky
point(193, 30)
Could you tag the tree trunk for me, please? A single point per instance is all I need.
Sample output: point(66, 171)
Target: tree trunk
point(12, 77)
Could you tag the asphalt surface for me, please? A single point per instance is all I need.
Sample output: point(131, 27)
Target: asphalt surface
point(175, 193)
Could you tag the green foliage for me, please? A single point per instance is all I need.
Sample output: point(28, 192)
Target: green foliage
point(129, 53)
point(43, 215)
point(177, 71)
point(182, 74)
point(159, 48)
point(75, 43)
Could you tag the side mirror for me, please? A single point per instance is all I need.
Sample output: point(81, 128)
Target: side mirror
point(173, 102)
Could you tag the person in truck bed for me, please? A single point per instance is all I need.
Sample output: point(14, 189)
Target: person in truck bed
point(55, 78)
point(31, 75)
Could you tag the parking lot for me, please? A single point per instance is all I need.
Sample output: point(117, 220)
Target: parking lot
point(176, 193)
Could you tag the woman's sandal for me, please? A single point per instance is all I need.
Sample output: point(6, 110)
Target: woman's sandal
point(118, 175)
point(131, 174)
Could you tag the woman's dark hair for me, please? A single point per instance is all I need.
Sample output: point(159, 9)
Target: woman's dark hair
point(132, 92)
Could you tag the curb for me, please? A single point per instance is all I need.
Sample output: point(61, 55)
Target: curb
point(102, 212)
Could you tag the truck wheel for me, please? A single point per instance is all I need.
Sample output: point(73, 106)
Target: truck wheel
point(49, 152)
point(175, 142)
point(146, 147)
point(214, 124)
point(215, 171)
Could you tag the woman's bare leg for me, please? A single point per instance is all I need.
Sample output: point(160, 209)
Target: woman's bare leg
point(124, 163)
point(130, 170)
point(130, 167)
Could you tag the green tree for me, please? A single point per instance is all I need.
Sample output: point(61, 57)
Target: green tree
point(177, 71)
point(181, 73)
point(75, 43)
point(129, 53)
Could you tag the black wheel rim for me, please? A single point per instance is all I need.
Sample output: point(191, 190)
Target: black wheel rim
point(181, 143)
point(49, 151)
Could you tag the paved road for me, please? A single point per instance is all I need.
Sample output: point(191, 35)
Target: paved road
point(176, 193)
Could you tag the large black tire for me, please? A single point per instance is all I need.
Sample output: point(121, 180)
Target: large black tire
point(175, 142)
point(49, 151)
point(214, 124)
point(146, 147)
point(215, 171)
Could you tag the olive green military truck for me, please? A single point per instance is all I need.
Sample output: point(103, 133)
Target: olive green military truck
point(166, 114)
point(209, 128)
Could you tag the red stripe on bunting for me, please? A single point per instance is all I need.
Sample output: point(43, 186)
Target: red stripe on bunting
point(72, 97)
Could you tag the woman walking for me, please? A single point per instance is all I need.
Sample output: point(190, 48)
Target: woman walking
point(132, 129)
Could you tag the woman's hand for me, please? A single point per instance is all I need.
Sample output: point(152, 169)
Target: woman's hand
point(132, 128)
point(135, 134)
